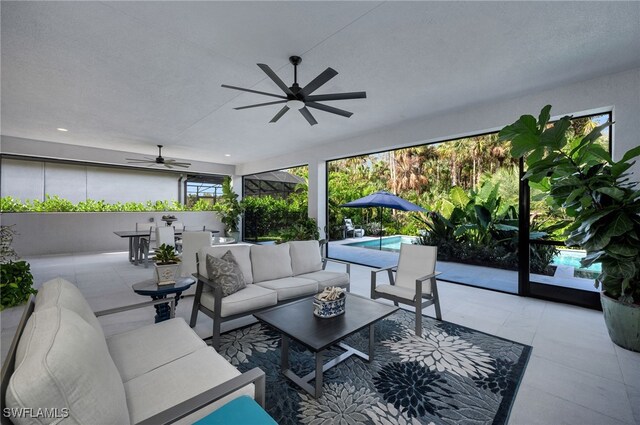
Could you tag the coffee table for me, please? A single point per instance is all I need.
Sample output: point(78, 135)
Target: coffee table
point(296, 321)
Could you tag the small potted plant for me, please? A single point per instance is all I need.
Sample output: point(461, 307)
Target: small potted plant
point(167, 264)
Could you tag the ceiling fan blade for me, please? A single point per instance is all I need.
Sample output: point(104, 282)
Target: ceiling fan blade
point(177, 163)
point(337, 96)
point(261, 104)
point(305, 113)
point(254, 91)
point(327, 108)
point(167, 165)
point(140, 160)
point(279, 115)
point(315, 84)
point(275, 78)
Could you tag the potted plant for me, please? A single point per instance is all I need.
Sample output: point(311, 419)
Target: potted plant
point(16, 280)
point(167, 264)
point(229, 209)
point(596, 192)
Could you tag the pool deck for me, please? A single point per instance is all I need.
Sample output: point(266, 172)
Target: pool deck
point(484, 277)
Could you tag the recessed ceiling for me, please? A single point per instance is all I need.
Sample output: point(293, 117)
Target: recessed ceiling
point(131, 75)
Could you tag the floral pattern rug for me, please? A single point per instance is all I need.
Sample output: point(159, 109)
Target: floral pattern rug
point(452, 375)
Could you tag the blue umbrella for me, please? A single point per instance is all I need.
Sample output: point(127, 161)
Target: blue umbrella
point(383, 199)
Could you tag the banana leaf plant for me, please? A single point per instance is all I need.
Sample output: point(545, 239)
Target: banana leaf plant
point(593, 189)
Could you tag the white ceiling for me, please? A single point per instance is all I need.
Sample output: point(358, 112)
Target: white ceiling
point(130, 75)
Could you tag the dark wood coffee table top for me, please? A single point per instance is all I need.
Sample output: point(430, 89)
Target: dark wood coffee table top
point(297, 321)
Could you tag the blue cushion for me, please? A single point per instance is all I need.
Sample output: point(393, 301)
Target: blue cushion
point(240, 411)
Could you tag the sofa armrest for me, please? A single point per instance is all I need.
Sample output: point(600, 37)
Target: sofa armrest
point(205, 281)
point(171, 301)
point(254, 376)
point(347, 265)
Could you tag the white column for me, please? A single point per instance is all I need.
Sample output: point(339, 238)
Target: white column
point(318, 194)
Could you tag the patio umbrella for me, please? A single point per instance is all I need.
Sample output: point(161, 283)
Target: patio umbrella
point(383, 199)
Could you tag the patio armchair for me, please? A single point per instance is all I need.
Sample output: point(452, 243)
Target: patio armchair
point(355, 230)
point(415, 281)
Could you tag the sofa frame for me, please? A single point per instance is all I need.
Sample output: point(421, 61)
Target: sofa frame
point(174, 413)
point(217, 294)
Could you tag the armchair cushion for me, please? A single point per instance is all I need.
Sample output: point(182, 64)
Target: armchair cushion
point(402, 292)
point(63, 362)
point(178, 381)
point(62, 293)
point(305, 257)
point(141, 350)
point(225, 271)
point(415, 262)
point(241, 253)
point(250, 298)
point(270, 262)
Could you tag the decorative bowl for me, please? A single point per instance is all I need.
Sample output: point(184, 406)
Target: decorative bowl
point(327, 309)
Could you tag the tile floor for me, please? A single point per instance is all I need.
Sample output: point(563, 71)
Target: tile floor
point(576, 375)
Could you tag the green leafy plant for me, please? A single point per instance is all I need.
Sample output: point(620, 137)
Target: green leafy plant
point(582, 179)
point(16, 283)
point(166, 254)
point(301, 230)
point(228, 207)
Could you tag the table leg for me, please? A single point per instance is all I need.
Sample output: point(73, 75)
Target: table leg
point(319, 373)
point(131, 250)
point(163, 311)
point(284, 353)
point(371, 342)
point(136, 250)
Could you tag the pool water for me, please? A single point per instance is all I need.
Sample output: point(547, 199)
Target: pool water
point(566, 257)
point(389, 243)
point(572, 257)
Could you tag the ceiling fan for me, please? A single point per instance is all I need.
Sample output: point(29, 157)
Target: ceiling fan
point(169, 163)
point(301, 98)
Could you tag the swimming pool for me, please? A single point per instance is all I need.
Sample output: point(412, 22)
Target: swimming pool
point(566, 257)
point(389, 243)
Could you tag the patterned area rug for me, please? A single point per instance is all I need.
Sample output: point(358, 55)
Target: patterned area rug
point(453, 375)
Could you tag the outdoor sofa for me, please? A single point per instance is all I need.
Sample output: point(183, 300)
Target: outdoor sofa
point(155, 374)
point(273, 274)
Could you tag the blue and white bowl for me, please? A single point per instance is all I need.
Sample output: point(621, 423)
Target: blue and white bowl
point(327, 309)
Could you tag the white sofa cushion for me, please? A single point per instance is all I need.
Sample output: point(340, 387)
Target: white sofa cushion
point(62, 293)
point(305, 257)
point(62, 362)
point(250, 298)
point(270, 262)
point(291, 287)
point(140, 350)
point(178, 381)
point(327, 278)
point(241, 252)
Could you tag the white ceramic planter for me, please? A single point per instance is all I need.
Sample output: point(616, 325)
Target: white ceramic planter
point(167, 274)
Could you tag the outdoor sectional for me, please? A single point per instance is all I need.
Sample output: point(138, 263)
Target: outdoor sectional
point(274, 274)
point(155, 374)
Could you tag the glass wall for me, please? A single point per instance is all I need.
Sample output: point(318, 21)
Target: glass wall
point(276, 206)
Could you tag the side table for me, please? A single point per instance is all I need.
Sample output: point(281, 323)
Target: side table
point(151, 288)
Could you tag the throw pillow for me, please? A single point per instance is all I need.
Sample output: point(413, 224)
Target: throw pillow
point(226, 271)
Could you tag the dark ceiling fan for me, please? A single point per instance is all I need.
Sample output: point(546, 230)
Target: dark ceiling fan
point(301, 98)
point(169, 163)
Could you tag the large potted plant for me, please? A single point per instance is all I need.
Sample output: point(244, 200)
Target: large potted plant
point(229, 209)
point(597, 193)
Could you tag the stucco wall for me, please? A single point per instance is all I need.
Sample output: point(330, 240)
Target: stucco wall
point(63, 233)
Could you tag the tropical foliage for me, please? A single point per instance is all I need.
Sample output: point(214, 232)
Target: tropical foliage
point(57, 204)
point(583, 180)
point(16, 280)
point(228, 207)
